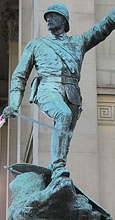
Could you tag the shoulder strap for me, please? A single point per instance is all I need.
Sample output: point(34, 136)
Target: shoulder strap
point(59, 45)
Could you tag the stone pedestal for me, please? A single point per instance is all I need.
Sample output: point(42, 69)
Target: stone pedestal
point(35, 196)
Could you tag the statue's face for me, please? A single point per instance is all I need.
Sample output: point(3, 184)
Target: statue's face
point(54, 21)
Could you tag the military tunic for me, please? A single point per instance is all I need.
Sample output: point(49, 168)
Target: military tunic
point(58, 62)
point(48, 63)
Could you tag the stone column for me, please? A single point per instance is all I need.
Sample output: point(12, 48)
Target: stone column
point(35, 108)
point(25, 35)
point(12, 123)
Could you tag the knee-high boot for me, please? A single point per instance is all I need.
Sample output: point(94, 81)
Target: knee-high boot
point(60, 142)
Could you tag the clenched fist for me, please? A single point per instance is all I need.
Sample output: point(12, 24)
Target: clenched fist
point(8, 112)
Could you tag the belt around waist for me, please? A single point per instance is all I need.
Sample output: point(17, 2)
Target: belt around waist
point(60, 79)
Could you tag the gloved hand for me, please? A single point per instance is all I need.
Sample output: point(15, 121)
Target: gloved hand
point(8, 112)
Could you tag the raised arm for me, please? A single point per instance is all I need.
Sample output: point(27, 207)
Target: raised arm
point(99, 31)
point(19, 79)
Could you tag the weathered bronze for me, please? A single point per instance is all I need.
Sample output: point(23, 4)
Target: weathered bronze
point(57, 59)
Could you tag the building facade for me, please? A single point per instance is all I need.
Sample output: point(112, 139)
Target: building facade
point(91, 160)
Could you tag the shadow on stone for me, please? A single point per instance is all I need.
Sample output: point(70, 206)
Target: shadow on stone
point(32, 199)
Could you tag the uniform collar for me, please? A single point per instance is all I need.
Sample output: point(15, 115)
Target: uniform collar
point(61, 37)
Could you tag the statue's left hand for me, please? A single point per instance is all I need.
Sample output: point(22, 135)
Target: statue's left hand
point(8, 112)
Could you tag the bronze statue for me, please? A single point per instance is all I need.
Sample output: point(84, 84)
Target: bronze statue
point(57, 59)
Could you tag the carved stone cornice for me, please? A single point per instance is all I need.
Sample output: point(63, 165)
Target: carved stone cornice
point(9, 21)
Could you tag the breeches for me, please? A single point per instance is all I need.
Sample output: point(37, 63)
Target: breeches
point(65, 117)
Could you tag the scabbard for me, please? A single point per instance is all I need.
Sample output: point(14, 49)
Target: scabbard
point(34, 87)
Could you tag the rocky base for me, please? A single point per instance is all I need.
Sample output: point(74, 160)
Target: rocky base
point(33, 200)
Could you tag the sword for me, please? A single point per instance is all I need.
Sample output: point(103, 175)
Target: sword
point(3, 120)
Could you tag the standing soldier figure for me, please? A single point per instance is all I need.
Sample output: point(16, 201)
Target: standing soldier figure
point(58, 60)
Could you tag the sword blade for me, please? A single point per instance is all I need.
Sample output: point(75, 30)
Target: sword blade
point(38, 122)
